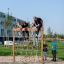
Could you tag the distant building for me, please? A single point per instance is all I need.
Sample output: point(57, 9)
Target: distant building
point(9, 30)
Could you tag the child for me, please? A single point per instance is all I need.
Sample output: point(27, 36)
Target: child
point(45, 51)
point(54, 49)
point(37, 25)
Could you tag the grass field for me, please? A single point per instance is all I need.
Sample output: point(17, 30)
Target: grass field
point(30, 51)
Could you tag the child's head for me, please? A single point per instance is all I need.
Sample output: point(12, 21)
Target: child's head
point(54, 39)
point(44, 45)
point(35, 18)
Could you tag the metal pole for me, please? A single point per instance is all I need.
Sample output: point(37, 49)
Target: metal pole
point(8, 11)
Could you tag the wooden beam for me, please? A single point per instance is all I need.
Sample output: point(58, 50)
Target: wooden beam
point(13, 47)
point(24, 29)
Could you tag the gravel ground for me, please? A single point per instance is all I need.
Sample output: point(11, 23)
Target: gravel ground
point(27, 60)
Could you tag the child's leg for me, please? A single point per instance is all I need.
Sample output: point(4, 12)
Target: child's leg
point(45, 55)
point(34, 39)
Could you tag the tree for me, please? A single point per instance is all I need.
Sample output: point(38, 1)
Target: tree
point(49, 32)
point(7, 23)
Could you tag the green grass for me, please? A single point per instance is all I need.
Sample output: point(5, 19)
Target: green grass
point(7, 51)
point(30, 51)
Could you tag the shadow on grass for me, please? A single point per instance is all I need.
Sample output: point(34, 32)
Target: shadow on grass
point(61, 58)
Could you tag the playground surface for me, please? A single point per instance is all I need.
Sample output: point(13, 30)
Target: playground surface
point(25, 60)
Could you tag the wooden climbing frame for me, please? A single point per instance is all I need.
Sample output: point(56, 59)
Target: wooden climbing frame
point(30, 30)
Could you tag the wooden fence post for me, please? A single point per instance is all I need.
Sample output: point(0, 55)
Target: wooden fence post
point(42, 41)
point(13, 47)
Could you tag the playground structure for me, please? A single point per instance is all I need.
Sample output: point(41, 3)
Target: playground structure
point(30, 55)
point(30, 30)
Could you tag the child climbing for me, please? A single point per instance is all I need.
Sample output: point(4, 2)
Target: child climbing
point(37, 25)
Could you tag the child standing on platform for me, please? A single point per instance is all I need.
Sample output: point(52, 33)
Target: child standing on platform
point(37, 25)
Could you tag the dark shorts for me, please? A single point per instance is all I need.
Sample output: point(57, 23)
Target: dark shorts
point(53, 51)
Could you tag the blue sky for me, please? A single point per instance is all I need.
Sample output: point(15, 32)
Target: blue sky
point(51, 11)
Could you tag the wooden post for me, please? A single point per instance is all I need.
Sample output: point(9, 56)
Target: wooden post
point(13, 47)
point(42, 41)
